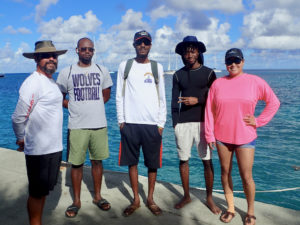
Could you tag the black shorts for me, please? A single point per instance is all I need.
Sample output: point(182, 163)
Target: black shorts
point(134, 136)
point(42, 172)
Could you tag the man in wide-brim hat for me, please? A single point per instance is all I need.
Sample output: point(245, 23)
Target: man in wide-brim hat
point(190, 88)
point(43, 47)
point(188, 40)
point(37, 123)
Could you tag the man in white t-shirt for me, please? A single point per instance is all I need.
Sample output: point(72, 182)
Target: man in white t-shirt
point(88, 87)
point(37, 123)
point(141, 111)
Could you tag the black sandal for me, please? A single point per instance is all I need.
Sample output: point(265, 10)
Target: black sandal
point(73, 209)
point(226, 215)
point(248, 219)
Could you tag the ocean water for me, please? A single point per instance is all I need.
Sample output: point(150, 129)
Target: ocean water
point(277, 150)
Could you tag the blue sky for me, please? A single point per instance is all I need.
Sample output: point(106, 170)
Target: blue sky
point(268, 31)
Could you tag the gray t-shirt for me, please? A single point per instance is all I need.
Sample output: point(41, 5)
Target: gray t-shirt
point(84, 86)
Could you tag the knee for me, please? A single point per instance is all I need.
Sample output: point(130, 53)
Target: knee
point(151, 170)
point(77, 166)
point(225, 171)
point(207, 165)
point(183, 162)
point(247, 178)
point(96, 162)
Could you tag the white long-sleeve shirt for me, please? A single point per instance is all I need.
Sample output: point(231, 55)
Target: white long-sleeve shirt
point(140, 103)
point(38, 117)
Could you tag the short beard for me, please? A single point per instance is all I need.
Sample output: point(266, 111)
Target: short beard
point(49, 71)
point(85, 61)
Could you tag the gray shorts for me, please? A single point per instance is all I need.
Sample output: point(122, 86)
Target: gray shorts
point(189, 134)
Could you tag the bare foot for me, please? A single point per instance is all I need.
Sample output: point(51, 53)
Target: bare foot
point(213, 207)
point(184, 201)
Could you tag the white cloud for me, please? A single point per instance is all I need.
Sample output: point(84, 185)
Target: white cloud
point(68, 32)
point(13, 61)
point(175, 7)
point(116, 45)
point(132, 21)
point(230, 6)
point(41, 9)
point(276, 42)
point(162, 12)
point(273, 26)
point(10, 30)
point(24, 30)
point(293, 5)
point(214, 36)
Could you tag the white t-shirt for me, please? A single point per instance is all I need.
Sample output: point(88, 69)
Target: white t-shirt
point(140, 104)
point(84, 86)
point(38, 118)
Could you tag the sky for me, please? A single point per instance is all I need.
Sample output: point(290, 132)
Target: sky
point(267, 31)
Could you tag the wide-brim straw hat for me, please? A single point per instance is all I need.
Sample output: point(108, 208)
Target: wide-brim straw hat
point(187, 41)
point(43, 47)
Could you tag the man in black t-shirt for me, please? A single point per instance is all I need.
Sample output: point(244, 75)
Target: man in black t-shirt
point(189, 93)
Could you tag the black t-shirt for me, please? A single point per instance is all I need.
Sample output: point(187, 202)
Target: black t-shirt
point(191, 83)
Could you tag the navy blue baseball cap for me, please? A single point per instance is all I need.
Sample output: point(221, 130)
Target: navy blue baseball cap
point(142, 34)
point(187, 41)
point(234, 53)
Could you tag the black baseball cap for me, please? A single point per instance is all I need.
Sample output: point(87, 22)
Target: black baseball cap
point(234, 53)
point(142, 34)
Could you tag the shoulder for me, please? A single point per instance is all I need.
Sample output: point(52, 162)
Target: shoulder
point(31, 83)
point(123, 64)
point(219, 82)
point(64, 73)
point(255, 78)
point(102, 68)
point(181, 71)
point(206, 69)
point(66, 69)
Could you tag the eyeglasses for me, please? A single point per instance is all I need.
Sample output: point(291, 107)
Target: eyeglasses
point(83, 49)
point(47, 55)
point(143, 40)
point(230, 61)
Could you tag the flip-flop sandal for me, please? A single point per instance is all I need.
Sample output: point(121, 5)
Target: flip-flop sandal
point(226, 215)
point(103, 204)
point(155, 209)
point(130, 209)
point(72, 208)
point(248, 219)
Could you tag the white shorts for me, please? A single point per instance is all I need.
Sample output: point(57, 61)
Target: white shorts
point(188, 134)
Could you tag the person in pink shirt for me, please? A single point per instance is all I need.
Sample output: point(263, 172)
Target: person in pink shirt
point(230, 126)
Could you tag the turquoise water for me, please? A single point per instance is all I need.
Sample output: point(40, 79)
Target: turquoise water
point(277, 151)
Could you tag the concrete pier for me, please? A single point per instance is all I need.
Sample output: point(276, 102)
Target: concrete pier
point(116, 189)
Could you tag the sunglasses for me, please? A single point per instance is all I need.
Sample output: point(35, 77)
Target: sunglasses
point(47, 55)
point(143, 40)
point(230, 61)
point(83, 49)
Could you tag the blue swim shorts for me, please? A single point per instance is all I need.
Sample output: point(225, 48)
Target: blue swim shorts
point(248, 145)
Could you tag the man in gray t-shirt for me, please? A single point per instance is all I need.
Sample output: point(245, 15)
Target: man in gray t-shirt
point(88, 87)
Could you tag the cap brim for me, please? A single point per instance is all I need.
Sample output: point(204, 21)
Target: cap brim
point(31, 55)
point(142, 38)
point(234, 56)
point(180, 47)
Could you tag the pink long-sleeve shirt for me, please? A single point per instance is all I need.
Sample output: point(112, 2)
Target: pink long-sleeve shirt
point(229, 101)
